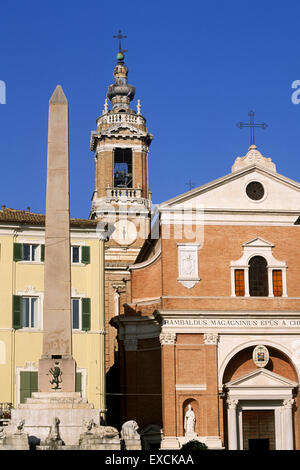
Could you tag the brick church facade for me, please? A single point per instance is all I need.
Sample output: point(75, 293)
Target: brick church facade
point(203, 312)
point(219, 282)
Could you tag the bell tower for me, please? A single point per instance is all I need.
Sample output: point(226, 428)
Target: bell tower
point(121, 145)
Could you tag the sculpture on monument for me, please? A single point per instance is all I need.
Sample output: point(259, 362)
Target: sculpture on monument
point(129, 430)
point(189, 421)
point(130, 437)
point(56, 374)
point(53, 439)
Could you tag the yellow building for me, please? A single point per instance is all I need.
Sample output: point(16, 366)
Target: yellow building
point(22, 236)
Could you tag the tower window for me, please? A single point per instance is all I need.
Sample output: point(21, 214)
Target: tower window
point(258, 277)
point(123, 168)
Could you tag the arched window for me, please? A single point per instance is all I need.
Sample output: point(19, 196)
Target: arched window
point(258, 277)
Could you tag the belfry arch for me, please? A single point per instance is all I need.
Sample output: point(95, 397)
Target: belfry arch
point(260, 402)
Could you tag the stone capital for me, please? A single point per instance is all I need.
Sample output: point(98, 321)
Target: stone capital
point(232, 404)
point(211, 338)
point(288, 403)
point(167, 338)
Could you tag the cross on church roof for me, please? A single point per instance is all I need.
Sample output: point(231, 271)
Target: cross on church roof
point(190, 184)
point(252, 126)
point(120, 36)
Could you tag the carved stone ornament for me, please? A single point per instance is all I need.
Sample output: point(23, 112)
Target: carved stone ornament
point(232, 404)
point(288, 403)
point(56, 376)
point(260, 356)
point(211, 338)
point(167, 338)
point(188, 265)
point(129, 431)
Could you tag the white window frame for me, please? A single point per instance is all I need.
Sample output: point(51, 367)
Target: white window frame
point(31, 292)
point(263, 248)
point(80, 254)
point(30, 298)
point(79, 312)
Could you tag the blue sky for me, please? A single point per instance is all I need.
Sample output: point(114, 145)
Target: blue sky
point(198, 68)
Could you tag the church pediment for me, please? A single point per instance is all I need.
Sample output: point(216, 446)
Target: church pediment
point(258, 242)
point(231, 193)
point(261, 378)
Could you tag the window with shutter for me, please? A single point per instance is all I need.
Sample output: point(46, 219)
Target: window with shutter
point(85, 254)
point(86, 314)
point(277, 282)
point(18, 252)
point(239, 282)
point(78, 382)
point(17, 312)
point(28, 384)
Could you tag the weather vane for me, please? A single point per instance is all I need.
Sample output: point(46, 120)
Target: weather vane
point(252, 126)
point(120, 36)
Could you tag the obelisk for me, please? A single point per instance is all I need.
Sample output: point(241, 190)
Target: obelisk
point(57, 368)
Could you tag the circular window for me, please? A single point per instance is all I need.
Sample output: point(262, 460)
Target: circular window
point(255, 191)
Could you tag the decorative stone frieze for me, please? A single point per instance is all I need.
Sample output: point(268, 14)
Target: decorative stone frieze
point(167, 338)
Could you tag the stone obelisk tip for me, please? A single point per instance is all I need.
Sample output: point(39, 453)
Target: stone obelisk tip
point(58, 96)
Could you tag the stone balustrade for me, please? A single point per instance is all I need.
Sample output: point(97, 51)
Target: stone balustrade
point(124, 192)
point(121, 117)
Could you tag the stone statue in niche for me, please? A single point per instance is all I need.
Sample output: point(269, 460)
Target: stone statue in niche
point(189, 422)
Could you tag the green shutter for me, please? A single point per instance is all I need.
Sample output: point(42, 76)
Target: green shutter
point(42, 252)
point(86, 314)
point(28, 384)
point(18, 252)
point(85, 254)
point(78, 382)
point(17, 312)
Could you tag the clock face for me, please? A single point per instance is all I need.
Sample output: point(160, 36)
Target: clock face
point(255, 191)
point(125, 232)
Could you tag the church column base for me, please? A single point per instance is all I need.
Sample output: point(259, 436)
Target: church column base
point(170, 442)
point(176, 442)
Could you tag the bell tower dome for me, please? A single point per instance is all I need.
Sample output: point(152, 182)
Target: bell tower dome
point(121, 146)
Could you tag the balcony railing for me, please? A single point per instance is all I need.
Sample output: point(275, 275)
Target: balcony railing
point(124, 192)
point(122, 117)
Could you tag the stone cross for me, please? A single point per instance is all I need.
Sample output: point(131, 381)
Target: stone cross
point(57, 336)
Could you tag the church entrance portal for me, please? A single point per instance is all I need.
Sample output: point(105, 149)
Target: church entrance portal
point(258, 430)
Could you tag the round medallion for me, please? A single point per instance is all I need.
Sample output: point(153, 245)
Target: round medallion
point(125, 232)
point(255, 190)
point(260, 356)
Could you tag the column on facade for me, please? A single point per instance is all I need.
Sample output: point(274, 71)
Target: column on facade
point(211, 341)
point(168, 341)
point(232, 424)
point(102, 231)
point(288, 423)
point(270, 282)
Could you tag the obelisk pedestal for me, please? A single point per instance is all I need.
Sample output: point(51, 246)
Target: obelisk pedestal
point(57, 368)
